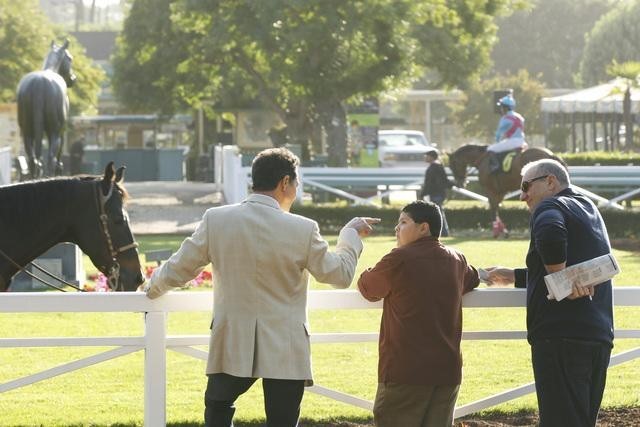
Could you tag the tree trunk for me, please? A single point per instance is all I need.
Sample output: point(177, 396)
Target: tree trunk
point(334, 120)
point(628, 122)
point(299, 128)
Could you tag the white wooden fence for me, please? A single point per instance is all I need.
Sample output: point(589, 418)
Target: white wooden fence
point(155, 340)
point(5, 165)
point(348, 182)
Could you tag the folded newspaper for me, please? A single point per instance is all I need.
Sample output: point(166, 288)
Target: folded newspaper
point(588, 273)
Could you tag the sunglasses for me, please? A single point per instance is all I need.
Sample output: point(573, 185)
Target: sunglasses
point(526, 184)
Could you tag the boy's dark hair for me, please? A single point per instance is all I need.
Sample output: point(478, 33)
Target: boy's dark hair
point(270, 166)
point(421, 212)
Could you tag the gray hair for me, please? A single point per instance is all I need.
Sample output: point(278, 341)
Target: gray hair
point(549, 167)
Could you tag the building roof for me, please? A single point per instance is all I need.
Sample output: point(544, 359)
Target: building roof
point(99, 44)
point(605, 98)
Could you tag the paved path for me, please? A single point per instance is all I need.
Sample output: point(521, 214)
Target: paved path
point(169, 207)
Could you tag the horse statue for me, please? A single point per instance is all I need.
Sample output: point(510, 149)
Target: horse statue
point(43, 107)
point(85, 210)
point(495, 185)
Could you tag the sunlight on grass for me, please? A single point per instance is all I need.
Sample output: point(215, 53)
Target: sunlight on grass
point(112, 392)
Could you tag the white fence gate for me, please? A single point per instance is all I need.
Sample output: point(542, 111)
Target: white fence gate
point(155, 340)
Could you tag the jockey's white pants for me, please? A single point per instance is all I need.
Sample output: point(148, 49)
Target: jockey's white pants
point(507, 145)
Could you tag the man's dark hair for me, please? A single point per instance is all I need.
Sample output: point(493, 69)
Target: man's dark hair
point(432, 153)
point(421, 212)
point(270, 166)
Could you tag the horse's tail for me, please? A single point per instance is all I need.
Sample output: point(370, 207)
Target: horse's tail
point(31, 107)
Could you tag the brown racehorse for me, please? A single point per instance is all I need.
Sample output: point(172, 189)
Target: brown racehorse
point(495, 185)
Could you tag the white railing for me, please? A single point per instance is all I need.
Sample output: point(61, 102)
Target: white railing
point(344, 182)
point(155, 340)
point(5, 165)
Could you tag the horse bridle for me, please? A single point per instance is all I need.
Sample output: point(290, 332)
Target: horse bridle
point(113, 272)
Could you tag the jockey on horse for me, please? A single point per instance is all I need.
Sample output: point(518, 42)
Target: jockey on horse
point(509, 135)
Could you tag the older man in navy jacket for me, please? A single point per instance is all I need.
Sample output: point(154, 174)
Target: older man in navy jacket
point(571, 340)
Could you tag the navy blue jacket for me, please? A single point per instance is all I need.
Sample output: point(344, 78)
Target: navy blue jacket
point(566, 228)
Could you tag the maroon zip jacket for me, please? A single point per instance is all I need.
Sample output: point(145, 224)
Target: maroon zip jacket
point(422, 284)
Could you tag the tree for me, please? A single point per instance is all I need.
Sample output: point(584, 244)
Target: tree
point(476, 113)
point(629, 72)
point(25, 37)
point(300, 59)
point(547, 39)
point(615, 37)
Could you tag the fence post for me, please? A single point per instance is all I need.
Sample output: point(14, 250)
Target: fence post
point(155, 368)
point(5, 165)
point(233, 177)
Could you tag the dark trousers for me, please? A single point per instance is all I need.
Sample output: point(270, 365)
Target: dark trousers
point(281, 400)
point(439, 200)
point(570, 378)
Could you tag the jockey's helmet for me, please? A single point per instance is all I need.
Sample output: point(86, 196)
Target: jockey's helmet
point(508, 102)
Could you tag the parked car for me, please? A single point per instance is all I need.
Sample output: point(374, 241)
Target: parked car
point(402, 148)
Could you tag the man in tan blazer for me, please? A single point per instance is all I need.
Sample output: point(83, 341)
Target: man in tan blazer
point(261, 257)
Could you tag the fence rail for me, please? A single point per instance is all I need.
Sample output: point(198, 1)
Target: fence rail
point(155, 341)
point(349, 183)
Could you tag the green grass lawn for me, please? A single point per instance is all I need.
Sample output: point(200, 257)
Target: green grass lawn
point(112, 393)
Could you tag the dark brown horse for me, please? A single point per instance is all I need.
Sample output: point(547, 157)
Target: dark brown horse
point(497, 185)
point(88, 211)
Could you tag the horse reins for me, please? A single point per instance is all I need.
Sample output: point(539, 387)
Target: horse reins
point(37, 267)
point(113, 272)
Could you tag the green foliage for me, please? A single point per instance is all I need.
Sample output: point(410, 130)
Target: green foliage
point(25, 38)
point(629, 70)
point(331, 219)
point(604, 158)
point(547, 39)
point(456, 39)
point(153, 69)
point(615, 37)
point(303, 59)
point(476, 113)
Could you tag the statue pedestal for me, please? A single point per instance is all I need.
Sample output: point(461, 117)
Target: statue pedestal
point(63, 260)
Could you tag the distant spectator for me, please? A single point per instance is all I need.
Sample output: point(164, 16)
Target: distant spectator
point(435, 185)
point(76, 156)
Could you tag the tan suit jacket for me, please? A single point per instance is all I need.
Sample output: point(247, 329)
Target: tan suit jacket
point(261, 258)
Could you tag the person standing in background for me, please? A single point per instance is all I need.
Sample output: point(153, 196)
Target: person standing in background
point(435, 186)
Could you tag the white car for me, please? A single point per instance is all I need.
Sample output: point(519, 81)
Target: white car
point(402, 148)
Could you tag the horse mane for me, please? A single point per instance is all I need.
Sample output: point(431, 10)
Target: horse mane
point(31, 202)
point(23, 202)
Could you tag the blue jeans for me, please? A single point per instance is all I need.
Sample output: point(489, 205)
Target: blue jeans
point(570, 377)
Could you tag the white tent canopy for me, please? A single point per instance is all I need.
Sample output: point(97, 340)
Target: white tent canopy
point(606, 98)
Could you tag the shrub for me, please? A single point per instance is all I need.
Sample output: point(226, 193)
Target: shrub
point(332, 218)
point(604, 158)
